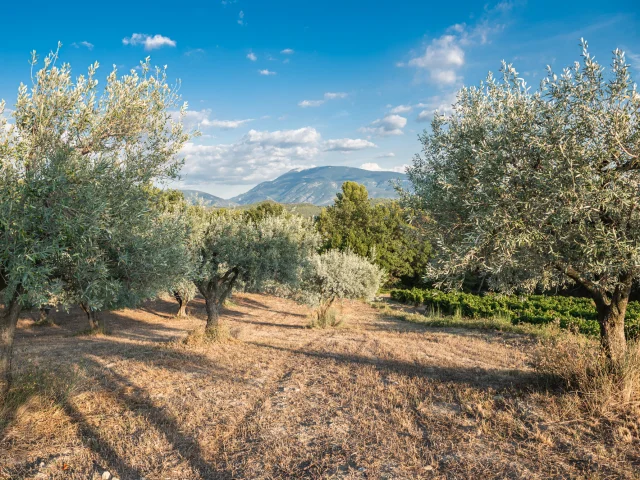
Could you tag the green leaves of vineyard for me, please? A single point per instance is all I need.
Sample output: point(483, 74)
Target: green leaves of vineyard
point(571, 313)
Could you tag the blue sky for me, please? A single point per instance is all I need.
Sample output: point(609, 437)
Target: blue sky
point(275, 85)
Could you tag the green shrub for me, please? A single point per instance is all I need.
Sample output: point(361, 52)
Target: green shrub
point(571, 313)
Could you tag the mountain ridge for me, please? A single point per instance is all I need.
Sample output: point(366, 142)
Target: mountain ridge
point(317, 186)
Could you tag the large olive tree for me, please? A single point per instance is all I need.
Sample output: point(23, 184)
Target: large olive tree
point(75, 163)
point(540, 188)
point(230, 248)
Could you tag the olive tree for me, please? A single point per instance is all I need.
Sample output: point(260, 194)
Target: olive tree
point(75, 222)
point(231, 249)
point(539, 188)
point(338, 274)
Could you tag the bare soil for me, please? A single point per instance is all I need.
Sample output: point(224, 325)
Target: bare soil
point(375, 398)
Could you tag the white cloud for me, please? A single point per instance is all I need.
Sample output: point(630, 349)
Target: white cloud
point(200, 119)
point(389, 125)
point(310, 103)
point(317, 103)
point(287, 51)
point(401, 109)
point(241, 18)
point(252, 56)
point(255, 157)
point(150, 42)
point(386, 155)
point(347, 145)
point(285, 138)
point(374, 167)
point(228, 124)
point(442, 104)
point(83, 44)
point(442, 59)
point(266, 72)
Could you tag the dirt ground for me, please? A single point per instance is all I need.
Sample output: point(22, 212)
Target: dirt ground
point(374, 398)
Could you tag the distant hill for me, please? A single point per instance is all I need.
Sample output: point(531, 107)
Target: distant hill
point(193, 196)
point(318, 186)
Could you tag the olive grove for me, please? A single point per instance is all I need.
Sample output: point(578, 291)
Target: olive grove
point(539, 188)
point(77, 222)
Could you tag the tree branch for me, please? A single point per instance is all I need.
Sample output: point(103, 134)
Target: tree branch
point(593, 288)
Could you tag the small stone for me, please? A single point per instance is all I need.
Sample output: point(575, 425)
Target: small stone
point(106, 475)
point(42, 464)
point(428, 468)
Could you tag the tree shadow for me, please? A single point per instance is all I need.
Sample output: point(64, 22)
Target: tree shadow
point(476, 377)
point(133, 398)
point(244, 301)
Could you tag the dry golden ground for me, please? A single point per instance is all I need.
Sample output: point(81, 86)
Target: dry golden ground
point(375, 398)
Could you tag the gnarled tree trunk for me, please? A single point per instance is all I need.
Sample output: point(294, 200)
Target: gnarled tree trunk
point(8, 322)
point(612, 308)
point(215, 293)
point(182, 304)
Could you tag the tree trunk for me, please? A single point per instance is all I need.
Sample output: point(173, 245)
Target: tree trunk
point(182, 305)
point(93, 316)
point(213, 313)
point(8, 322)
point(611, 320)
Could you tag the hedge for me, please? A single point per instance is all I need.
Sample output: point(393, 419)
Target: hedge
point(577, 314)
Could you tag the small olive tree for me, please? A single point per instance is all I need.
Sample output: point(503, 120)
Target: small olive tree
point(230, 249)
point(335, 275)
point(75, 223)
point(540, 188)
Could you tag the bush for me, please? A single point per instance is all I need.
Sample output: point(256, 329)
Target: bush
point(570, 313)
point(335, 275)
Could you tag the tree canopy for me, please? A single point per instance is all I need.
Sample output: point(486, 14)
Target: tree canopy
point(539, 188)
point(385, 232)
point(229, 248)
point(77, 223)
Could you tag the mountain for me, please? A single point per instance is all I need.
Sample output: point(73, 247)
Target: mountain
point(319, 185)
point(193, 196)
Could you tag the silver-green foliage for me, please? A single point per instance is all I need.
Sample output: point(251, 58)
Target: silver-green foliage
point(77, 222)
point(334, 275)
point(229, 249)
point(539, 188)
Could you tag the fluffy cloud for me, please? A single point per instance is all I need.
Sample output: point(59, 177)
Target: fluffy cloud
point(200, 119)
point(310, 103)
point(252, 56)
point(348, 145)
point(266, 72)
point(317, 103)
point(285, 138)
point(227, 124)
point(442, 59)
point(241, 18)
point(401, 109)
point(257, 156)
point(374, 167)
point(384, 127)
point(287, 51)
point(150, 42)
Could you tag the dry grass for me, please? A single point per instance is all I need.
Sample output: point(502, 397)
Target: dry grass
point(378, 398)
